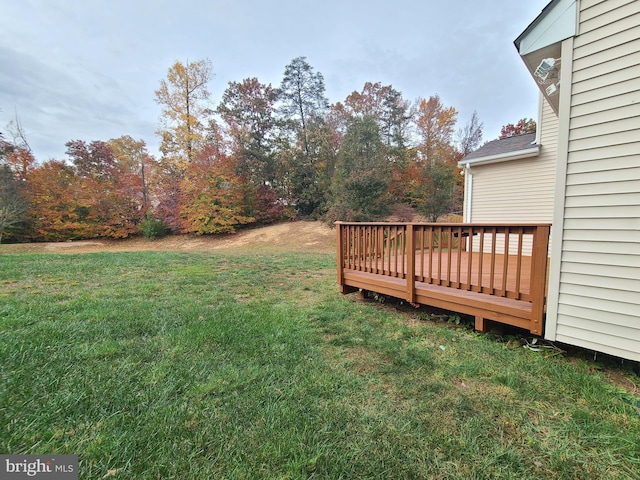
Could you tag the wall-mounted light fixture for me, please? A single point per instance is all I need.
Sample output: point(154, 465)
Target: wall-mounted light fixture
point(544, 69)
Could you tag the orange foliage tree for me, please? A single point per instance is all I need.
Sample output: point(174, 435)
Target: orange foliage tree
point(521, 127)
point(134, 167)
point(113, 209)
point(95, 197)
point(434, 191)
point(20, 161)
point(436, 125)
point(212, 198)
point(58, 204)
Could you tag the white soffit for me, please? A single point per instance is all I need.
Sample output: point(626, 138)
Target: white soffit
point(556, 23)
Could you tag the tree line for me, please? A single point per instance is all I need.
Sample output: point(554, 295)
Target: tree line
point(264, 154)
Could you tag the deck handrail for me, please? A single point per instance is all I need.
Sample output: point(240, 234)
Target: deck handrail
point(430, 252)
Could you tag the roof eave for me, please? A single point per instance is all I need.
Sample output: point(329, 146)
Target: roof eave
point(537, 20)
point(502, 157)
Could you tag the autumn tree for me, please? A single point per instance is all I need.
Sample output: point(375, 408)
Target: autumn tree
point(184, 98)
point(522, 126)
point(20, 161)
point(16, 154)
point(59, 204)
point(92, 161)
point(436, 125)
point(166, 184)
point(434, 191)
point(337, 121)
point(95, 167)
point(112, 209)
point(212, 195)
point(134, 163)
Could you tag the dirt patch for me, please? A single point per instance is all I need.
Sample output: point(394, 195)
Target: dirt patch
point(293, 236)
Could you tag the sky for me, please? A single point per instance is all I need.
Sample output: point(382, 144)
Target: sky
point(88, 69)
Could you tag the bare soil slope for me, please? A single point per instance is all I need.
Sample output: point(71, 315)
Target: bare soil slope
point(294, 236)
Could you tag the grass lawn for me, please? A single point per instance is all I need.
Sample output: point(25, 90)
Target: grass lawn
point(166, 365)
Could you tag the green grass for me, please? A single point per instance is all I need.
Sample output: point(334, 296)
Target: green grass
point(195, 366)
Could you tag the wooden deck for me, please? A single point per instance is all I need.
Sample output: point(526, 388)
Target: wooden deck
point(493, 272)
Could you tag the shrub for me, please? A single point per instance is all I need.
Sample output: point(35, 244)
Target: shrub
point(268, 207)
point(152, 227)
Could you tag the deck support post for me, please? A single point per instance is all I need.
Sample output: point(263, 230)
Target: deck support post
point(340, 258)
point(539, 255)
point(340, 253)
point(480, 325)
point(411, 264)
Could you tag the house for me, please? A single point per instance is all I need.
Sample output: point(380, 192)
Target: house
point(581, 173)
point(551, 234)
point(512, 179)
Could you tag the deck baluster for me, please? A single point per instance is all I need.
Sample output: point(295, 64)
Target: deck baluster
point(519, 263)
point(432, 254)
point(492, 273)
point(459, 259)
point(505, 266)
point(410, 255)
point(449, 248)
point(469, 258)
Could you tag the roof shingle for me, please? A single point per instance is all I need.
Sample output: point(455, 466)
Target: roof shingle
point(502, 146)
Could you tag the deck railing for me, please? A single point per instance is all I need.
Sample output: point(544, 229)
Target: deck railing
point(495, 259)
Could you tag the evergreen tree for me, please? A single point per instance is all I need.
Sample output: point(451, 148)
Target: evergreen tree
point(361, 182)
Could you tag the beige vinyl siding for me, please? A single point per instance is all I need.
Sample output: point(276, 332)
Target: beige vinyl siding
point(599, 289)
point(596, 8)
point(511, 192)
point(518, 191)
point(625, 57)
point(621, 125)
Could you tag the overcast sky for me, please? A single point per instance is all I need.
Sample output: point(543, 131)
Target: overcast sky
point(88, 69)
